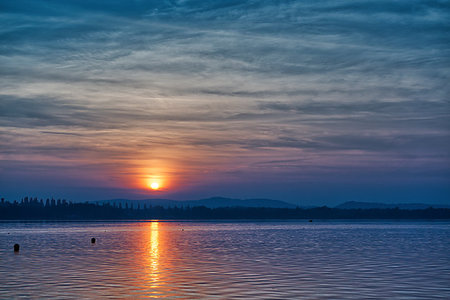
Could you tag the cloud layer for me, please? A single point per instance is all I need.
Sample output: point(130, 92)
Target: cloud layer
point(262, 97)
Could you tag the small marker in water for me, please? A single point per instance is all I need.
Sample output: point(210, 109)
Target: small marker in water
point(16, 247)
point(310, 221)
point(93, 240)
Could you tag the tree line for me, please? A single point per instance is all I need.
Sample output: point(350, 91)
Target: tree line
point(61, 209)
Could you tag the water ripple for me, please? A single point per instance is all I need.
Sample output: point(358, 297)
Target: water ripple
point(225, 260)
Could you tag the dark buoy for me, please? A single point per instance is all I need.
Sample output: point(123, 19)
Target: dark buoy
point(310, 221)
point(93, 240)
point(16, 247)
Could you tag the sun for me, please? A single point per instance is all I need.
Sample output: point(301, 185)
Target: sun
point(155, 183)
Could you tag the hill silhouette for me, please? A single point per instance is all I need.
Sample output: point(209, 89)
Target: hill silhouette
point(51, 209)
point(376, 205)
point(213, 202)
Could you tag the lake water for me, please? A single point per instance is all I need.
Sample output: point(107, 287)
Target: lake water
point(248, 260)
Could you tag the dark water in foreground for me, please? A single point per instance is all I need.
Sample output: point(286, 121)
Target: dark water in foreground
point(289, 260)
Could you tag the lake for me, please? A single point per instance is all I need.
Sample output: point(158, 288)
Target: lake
point(226, 260)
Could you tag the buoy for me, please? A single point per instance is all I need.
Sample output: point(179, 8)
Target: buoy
point(16, 247)
point(93, 240)
point(310, 221)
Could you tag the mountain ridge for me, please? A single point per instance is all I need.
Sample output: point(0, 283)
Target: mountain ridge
point(215, 202)
point(380, 205)
point(212, 202)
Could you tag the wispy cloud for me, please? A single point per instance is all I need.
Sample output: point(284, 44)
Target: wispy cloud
point(220, 86)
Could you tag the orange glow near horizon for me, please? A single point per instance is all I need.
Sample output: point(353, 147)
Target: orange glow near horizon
point(154, 183)
point(160, 176)
point(157, 178)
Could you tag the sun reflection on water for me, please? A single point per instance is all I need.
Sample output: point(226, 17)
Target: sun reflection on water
point(153, 253)
point(154, 246)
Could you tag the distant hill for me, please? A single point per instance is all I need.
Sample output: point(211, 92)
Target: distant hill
point(375, 205)
point(134, 203)
point(227, 202)
point(213, 202)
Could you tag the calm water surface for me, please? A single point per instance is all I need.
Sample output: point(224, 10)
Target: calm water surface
point(286, 260)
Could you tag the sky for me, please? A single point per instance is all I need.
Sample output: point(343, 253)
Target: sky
point(310, 102)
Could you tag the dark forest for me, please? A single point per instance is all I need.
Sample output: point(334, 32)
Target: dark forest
point(51, 209)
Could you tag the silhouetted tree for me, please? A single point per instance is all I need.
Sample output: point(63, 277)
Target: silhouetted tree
point(69, 210)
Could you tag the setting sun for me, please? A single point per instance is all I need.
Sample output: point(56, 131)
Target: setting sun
point(154, 182)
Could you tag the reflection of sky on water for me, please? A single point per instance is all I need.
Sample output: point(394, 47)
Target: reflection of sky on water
point(289, 260)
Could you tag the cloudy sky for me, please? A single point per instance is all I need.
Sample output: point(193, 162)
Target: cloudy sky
point(312, 102)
